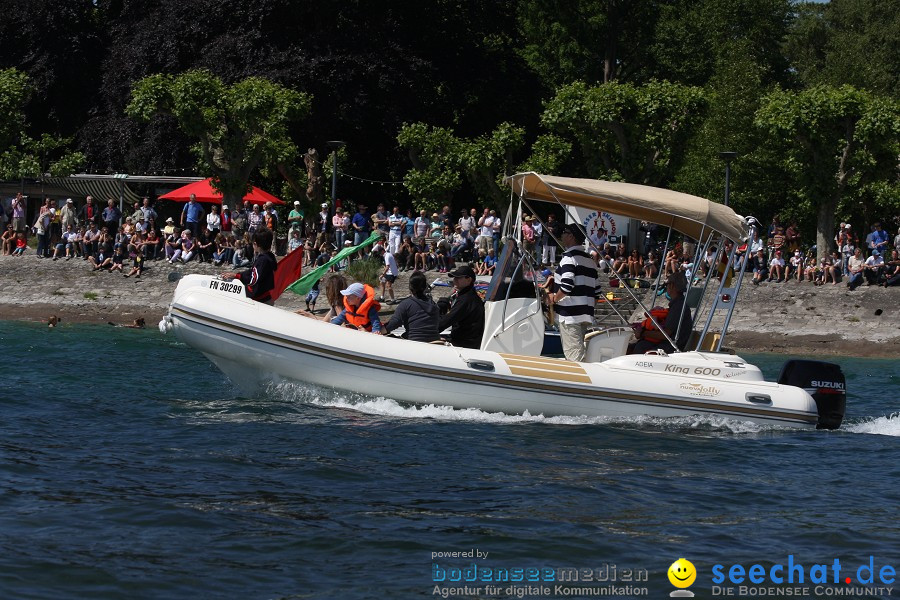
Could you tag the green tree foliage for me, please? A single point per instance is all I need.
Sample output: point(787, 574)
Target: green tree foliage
point(627, 132)
point(442, 162)
point(586, 40)
point(839, 147)
point(22, 155)
point(238, 127)
point(852, 42)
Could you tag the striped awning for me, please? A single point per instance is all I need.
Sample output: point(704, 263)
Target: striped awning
point(102, 187)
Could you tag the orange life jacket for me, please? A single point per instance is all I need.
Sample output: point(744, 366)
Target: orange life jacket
point(359, 316)
point(659, 313)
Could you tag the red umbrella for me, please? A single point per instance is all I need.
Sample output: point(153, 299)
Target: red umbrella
point(205, 192)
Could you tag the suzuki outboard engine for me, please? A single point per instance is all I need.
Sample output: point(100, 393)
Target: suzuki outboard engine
point(824, 382)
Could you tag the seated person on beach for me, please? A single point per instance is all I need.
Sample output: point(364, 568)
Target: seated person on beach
point(417, 313)
point(21, 244)
point(118, 259)
point(138, 266)
point(102, 259)
point(360, 309)
point(776, 268)
point(760, 267)
point(892, 270)
point(648, 338)
point(9, 240)
point(466, 312)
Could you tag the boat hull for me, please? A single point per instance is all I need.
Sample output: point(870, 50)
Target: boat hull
point(256, 345)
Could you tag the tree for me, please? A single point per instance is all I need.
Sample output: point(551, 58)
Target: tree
point(442, 162)
point(238, 127)
point(837, 145)
point(627, 132)
point(22, 155)
point(851, 42)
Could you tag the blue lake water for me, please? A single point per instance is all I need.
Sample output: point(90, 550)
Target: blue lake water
point(131, 468)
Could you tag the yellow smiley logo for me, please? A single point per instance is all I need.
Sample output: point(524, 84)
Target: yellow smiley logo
point(682, 573)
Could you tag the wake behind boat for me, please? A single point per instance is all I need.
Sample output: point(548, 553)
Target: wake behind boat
point(256, 344)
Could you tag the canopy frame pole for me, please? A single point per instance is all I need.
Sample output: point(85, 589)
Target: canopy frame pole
point(737, 287)
point(627, 289)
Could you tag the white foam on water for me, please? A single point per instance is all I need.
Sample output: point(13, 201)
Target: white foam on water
point(386, 407)
point(889, 425)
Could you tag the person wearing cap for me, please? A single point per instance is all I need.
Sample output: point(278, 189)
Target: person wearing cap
point(873, 268)
point(776, 268)
point(576, 287)
point(295, 218)
point(360, 309)
point(417, 313)
point(259, 280)
point(68, 215)
point(466, 311)
point(677, 324)
point(323, 225)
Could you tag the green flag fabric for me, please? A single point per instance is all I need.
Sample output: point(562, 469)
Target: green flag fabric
point(302, 286)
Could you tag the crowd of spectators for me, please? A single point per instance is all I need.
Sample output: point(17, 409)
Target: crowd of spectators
point(105, 237)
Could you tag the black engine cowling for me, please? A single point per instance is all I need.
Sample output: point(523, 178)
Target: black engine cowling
point(824, 382)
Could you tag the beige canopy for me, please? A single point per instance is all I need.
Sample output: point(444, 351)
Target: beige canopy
point(691, 215)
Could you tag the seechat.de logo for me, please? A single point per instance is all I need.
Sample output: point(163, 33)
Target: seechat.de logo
point(682, 574)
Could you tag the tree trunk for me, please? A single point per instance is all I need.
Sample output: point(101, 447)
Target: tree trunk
point(315, 183)
point(825, 228)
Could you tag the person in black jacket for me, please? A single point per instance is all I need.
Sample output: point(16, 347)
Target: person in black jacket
point(417, 313)
point(466, 314)
point(259, 280)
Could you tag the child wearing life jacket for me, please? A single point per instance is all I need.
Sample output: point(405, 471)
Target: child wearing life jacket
point(360, 309)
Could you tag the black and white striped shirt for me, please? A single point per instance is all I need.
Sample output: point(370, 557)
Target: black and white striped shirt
point(577, 278)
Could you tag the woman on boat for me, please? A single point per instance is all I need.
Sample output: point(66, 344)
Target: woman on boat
point(677, 321)
point(360, 309)
point(417, 313)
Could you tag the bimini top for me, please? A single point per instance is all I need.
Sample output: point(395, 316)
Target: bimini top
point(691, 215)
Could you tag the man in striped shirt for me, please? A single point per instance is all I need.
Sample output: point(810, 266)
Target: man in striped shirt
point(577, 288)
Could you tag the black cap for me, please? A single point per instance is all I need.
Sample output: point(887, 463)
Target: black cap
point(462, 271)
point(575, 231)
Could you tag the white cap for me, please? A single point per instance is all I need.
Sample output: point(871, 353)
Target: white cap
point(355, 289)
point(68, 200)
point(296, 203)
point(324, 205)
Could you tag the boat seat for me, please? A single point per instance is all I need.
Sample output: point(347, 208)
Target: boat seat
point(604, 344)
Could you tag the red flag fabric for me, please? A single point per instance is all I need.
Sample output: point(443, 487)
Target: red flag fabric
point(288, 271)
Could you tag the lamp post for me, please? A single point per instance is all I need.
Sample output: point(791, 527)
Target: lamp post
point(727, 157)
point(334, 145)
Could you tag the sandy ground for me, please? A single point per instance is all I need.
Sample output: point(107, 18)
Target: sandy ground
point(787, 318)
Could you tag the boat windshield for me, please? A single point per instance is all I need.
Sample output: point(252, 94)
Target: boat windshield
point(515, 275)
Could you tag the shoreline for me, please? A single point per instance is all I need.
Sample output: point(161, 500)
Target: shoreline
point(787, 318)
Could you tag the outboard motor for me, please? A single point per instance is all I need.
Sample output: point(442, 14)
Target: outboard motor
point(824, 382)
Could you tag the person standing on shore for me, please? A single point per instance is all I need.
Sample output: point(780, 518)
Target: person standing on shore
point(192, 216)
point(90, 213)
point(111, 216)
point(68, 215)
point(577, 288)
point(18, 213)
